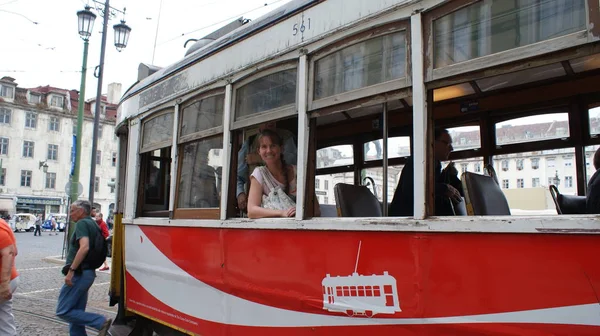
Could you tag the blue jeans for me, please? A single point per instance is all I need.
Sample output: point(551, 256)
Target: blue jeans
point(72, 301)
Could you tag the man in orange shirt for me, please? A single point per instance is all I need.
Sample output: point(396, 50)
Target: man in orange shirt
point(9, 279)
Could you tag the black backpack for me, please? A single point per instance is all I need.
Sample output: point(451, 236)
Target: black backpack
point(97, 252)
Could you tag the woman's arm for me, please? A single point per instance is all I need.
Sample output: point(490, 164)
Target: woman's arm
point(255, 200)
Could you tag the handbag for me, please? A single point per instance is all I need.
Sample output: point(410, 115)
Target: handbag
point(277, 199)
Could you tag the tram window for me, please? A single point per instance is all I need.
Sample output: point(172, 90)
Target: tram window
point(366, 63)
point(200, 142)
point(491, 26)
point(346, 291)
point(335, 156)
point(472, 165)
point(338, 291)
point(527, 189)
point(368, 291)
point(157, 132)
point(589, 161)
point(465, 137)
point(594, 118)
point(332, 180)
point(533, 128)
point(376, 291)
point(156, 169)
point(375, 175)
point(397, 147)
point(272, 91)
point(353, 291)
point(361, 290)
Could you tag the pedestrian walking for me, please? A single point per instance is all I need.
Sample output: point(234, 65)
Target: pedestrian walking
point(38, 225)
point(9, 279)
point(79, 277)
point(105, 233)
point(53, 230)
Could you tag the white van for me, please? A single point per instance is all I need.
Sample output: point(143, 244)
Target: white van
point(23, 221)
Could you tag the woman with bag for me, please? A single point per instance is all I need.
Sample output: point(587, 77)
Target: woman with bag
point(273, 186)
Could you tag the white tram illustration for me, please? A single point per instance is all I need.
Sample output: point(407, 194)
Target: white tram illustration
point(361, 295)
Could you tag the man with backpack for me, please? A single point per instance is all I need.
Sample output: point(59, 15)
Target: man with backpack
point(87, 251)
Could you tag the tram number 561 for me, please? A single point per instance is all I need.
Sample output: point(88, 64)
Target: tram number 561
point(301, 27)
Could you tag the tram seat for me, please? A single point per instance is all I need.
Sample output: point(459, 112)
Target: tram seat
point(567, 204)
point(356, 201)
point(483, 195)
point(328, 210)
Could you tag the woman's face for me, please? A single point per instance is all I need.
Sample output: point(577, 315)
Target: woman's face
point(269, 151)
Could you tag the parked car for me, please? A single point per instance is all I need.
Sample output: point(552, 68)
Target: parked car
point(61, 221)
point(23, 221)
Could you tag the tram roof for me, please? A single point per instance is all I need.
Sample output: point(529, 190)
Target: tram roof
point(222, 42)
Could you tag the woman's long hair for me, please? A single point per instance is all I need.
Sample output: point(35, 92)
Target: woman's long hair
point(275, 138)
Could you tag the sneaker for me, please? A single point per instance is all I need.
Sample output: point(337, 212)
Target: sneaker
point(104, 330)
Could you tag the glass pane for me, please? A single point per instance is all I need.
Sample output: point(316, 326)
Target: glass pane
point(266, 93)
point(594, 120)
point(397, 147)
point(158, 129)
point(534, 128)
point(202, 115)
point(324, 186)
point(466, 137)
point(372, 178)
point(589, 161)
point(491, 26)
point(374, 61)
point(200, 179)
point(335, 156)
point(521, 77)
point(473, 165)
point(525, 178)
point(156, 181)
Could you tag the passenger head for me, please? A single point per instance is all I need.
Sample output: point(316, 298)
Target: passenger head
point(93, 212)
point(99, 215)
point(270, 146)
point(443, 144)
point(597, 159)
point(80, 209)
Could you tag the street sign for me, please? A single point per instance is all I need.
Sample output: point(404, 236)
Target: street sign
point(79, 188)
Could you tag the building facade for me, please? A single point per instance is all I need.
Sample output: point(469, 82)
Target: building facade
point(37, 133)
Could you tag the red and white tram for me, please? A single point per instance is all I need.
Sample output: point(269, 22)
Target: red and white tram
point(516, 83)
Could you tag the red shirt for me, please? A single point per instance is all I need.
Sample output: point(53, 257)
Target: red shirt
point(103, 228)
point(7, 238)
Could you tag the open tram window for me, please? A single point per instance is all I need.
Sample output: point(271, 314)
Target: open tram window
point(334, 165)
point(157, 134)
point(201, 157)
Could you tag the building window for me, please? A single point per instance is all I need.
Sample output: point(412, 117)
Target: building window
point(535, 163)
point(464, 167)
point(504, 165)
point(52, 152)
point(520, 164)
point(520, 183)
point(57, 101)
point(3, 176)
point(505, 184)
point(50, 180)
point(568, 181)
point(569, 162)
point(326, 185)
point(98, 158)
point(553, 180)
point(325, 200)
point(5, 116)
point(317, 184)
point(7, 91)
point(478, 167)
point(30, 120)
point(550, 163)
point(535, 182)
point(28, 149)
point(54, 124)
point(34, 98)
point(112, 185)
point(3, 146)
point(114, 159)
point(25, 178)
point(96, 184)
point(100, 129)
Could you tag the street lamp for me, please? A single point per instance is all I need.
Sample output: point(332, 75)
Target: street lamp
point(121, 38)
point(43, 166)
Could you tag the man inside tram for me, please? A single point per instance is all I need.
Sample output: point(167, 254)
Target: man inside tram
point(248, 159)
point(448, 188)
point(592, 199)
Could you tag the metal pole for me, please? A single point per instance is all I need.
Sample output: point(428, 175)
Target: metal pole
point(98, 103)
point(385, 160)
point(81, 104)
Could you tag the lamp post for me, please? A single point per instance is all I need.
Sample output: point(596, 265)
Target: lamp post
point(121, 38)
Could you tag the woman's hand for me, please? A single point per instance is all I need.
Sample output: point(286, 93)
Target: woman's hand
point(291, 212)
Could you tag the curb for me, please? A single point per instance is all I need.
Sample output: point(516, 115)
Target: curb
point(54, 260)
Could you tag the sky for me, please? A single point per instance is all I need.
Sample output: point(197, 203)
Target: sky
point(51, 51)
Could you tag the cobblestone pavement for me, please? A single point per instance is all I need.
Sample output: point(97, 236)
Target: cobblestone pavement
point(40, 283)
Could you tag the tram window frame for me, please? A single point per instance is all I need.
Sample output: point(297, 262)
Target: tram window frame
point(209, 133)
point(515, 54)
point(261, 117)
point(146, 151)
point(404, 82)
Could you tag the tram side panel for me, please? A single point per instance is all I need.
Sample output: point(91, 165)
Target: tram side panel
point(267, 282)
